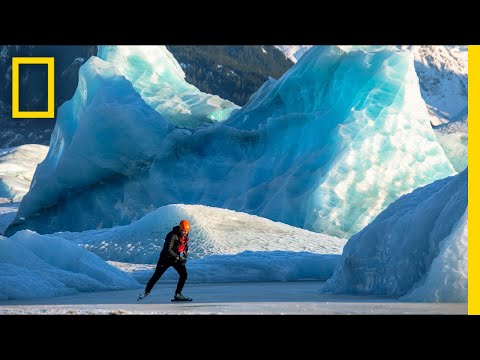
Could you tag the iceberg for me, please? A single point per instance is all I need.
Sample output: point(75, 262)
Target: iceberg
point(417, 247)
point(159, 79)
point(442, 72)
point(353, 127)
point(447, 279)
point(326, 148)
point(33, 265)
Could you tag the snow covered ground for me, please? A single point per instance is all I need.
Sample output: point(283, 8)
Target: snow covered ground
point(454, 139)
point(301, 297)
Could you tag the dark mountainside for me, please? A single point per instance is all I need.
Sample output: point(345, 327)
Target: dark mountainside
point(232, 72)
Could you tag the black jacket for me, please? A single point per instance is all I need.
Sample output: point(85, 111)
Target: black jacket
point(170, 247)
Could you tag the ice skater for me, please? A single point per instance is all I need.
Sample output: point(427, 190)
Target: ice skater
point(174, 253)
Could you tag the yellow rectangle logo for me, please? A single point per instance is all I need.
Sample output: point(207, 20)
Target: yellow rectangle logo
point(16, 113)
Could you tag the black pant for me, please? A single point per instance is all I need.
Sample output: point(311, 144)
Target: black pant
point(162, 266)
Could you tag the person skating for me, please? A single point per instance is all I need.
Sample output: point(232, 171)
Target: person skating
point(174, 253)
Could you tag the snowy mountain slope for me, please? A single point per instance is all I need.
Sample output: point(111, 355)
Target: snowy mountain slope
point(32, 89)
point(249, 63)
point(453, 137)
point(17, 166)
point(443, 74)
point(233, 72)
point(417, 245)
point(341, 153)
point(293, 52)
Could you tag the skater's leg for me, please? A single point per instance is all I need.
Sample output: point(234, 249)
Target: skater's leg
point(182, 271)
point(161, 268)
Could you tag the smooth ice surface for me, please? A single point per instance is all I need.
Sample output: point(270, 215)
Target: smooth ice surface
point(418, 244)
point(159, 79)
point(326, 148)
point(33, 265)
point(454, 140)
point(299, 297)
point(17, 166)
point(261, 298)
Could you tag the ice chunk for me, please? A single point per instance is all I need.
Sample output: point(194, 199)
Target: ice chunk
point(442, 72)
point(419, 241)
point(160, 80)
point(33, 265)
point(357, 130)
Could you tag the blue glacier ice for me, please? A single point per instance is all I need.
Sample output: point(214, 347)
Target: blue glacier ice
point(159, 79)
point(354, 128)
point(326, 148)
point(33, 265)
point(416, 248)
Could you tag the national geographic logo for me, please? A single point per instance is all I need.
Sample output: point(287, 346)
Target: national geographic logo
point(50, 112)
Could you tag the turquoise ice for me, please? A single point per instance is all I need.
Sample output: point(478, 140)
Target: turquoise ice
point(159, 79)
point(416, 248)
point(326, 148)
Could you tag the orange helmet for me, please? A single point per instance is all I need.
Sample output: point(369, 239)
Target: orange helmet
point(184, 225)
